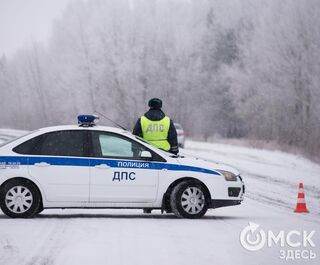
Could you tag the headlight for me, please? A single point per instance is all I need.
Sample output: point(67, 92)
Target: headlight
point(228, 175)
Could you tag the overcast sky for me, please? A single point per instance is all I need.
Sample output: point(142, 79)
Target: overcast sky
point(24, 21)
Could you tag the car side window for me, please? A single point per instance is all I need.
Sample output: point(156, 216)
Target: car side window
point(59, 143)
point(28, 146)
point(63, 143)
point(115, 146)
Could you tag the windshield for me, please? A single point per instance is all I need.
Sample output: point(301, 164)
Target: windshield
point(169, 154)
point(141, 139)
point(160, 150)
point(16, 138)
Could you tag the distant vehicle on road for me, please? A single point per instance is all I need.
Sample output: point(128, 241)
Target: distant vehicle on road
point(89, 166)
point(181, 134)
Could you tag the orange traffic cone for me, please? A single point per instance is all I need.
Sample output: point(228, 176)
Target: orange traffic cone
point(301, 203)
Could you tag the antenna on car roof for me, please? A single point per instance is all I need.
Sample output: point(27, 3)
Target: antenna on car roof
point(123, 128)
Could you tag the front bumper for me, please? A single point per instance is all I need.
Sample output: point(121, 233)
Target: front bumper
point(224, 203)
point(234, 193)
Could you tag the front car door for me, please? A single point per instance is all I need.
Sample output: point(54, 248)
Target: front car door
point(117, 173)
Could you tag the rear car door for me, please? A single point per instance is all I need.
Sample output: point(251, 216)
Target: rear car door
point(118, 174)
point(57, 161)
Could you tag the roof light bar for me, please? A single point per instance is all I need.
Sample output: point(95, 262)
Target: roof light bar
point(87, 120)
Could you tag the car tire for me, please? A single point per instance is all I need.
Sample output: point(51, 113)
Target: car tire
point(40, 209)
point(189, 199)
point(20, 199)
point(147, 210)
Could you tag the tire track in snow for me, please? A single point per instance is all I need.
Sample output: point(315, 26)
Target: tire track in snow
point(47, 243)
point(264, 188)
point(8, 250)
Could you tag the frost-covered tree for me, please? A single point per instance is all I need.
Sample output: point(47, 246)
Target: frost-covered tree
point(223, 68)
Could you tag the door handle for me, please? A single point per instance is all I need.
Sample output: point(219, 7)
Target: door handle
point(102, 166)
point(42, 164)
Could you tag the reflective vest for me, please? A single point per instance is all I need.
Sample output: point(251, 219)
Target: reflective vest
point(156, 132)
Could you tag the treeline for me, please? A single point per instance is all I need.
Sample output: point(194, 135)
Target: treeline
point(223, 68)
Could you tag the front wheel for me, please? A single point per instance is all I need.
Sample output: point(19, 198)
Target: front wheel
point(20, 199)
point(189, 200)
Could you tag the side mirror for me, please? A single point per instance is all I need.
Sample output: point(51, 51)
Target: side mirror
point(146, 155)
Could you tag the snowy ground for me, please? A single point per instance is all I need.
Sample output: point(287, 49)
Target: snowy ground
point(129, 237)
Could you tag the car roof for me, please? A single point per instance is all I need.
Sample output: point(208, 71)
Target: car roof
point(43, 130)
point(77, 127)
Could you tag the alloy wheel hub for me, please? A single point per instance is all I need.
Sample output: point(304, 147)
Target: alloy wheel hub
point(192, 200)
point(19, 199)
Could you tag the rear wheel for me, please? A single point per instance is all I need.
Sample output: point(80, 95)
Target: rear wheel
point(189, 199)
point(20, 199)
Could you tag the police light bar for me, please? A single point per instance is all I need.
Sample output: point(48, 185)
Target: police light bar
point(87, 120)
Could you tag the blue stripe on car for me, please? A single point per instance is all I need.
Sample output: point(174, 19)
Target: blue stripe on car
point(73, 161)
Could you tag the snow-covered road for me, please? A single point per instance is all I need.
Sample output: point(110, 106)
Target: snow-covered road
point(271, 177)
point(62, 237)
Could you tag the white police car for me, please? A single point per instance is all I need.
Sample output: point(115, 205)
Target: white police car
point(90, 166)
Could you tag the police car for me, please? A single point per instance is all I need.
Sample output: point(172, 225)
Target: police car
point(89, 166)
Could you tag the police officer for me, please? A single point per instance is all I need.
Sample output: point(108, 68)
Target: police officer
point(157, 128)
